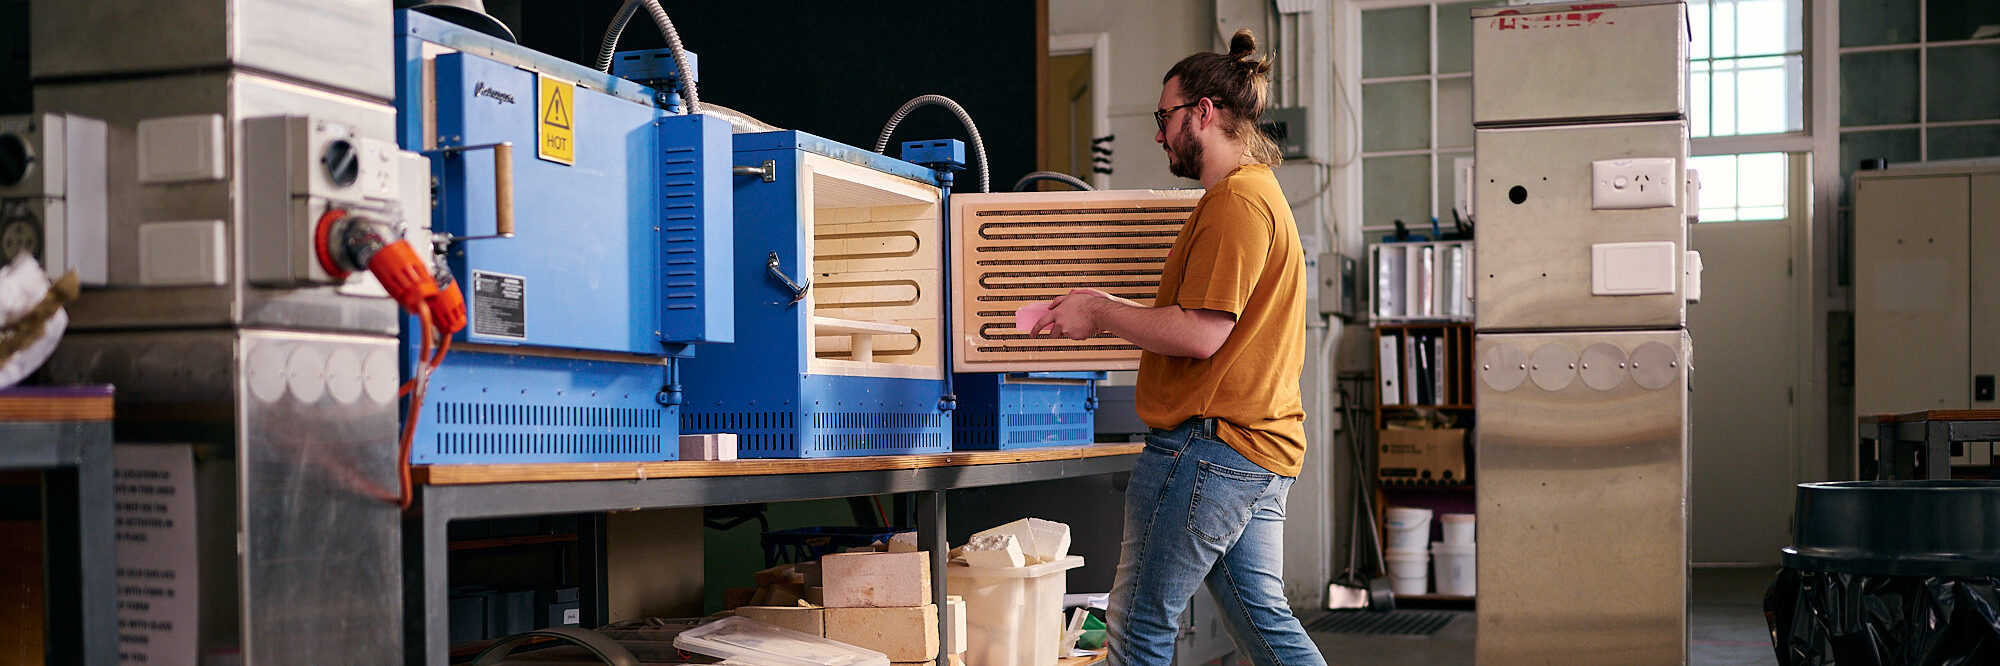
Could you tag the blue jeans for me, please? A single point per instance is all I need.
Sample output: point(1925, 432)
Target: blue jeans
point(1195, 511)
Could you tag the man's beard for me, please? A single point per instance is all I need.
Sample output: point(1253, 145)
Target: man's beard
point(1184, 160)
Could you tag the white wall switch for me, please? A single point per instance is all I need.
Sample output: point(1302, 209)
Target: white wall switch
point(1691, 276)
point(1638, 182)
point(181, 253)
point(1633, 269)
point(1693, 196)
point(180, 149)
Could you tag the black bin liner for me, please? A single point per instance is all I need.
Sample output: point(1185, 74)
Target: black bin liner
point(1887, 573)
point(1821, 618)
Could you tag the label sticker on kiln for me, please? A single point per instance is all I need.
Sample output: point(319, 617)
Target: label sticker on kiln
point(556, 128)
point(499, 305)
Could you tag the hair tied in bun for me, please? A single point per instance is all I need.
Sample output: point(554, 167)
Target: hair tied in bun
point(1242, 45)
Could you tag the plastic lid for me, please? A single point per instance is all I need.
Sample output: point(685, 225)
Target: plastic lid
point(1030, 571)
point(1453, 548)
point(749, 641)
point(1456, 517)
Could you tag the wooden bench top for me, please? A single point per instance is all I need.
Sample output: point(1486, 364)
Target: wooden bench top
point(1934, 415)
point(56, 403)
point(440, 475)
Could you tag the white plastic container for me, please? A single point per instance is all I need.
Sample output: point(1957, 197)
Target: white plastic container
point(1409, 528)
point(747, 641)
point(1457, 568)
point(1409, 571)
point(1458, 528)
point(1013, 615)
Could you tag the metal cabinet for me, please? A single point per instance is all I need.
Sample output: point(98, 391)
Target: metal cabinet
point(1926, 290)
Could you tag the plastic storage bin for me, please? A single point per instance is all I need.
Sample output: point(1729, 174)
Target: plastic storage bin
point(746, 641)
point(1013, 615)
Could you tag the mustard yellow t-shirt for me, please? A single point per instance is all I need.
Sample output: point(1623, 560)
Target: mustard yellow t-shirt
point(1239, 253)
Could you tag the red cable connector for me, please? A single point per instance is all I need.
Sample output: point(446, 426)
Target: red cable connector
point(447, 305)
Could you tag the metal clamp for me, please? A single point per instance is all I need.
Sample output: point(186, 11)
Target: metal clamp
point(503, 187)
point(769, 171)
point(798, 290)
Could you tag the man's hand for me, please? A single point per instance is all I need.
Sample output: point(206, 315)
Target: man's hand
point(1169, 330)
point(1109, 297)
point(1076, 315)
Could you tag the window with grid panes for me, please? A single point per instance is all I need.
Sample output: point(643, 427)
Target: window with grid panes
point(1919, 80)
point(1746, 77)
point(1416, 109)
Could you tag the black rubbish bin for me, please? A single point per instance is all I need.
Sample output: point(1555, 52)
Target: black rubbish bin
point(1887, 573)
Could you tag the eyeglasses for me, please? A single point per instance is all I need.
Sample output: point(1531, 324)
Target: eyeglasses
point(1160, 116)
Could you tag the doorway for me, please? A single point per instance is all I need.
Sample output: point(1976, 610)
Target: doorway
point(1746, 331)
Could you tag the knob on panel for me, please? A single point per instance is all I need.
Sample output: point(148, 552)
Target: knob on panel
point(342, 164)
point(15, 159)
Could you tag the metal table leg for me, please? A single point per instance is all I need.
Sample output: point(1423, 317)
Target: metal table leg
point(80, 556)
point(931, 532)
point(1937, 450)
point(426, 586)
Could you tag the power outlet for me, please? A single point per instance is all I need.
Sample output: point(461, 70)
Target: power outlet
point(1640, 182)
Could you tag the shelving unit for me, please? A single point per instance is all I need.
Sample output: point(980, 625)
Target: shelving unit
point(1424, 366)
point(446, 493)
point(64, 434)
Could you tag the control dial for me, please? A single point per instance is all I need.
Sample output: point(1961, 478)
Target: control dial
point(342, 162)
point(15, 159)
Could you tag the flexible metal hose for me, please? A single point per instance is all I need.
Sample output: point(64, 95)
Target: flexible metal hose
point(978, 146)
point(610, 45)
point(1057, 176)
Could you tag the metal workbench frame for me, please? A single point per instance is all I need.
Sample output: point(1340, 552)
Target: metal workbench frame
point(80, 546)
point(426, 586)
point(1917, 445)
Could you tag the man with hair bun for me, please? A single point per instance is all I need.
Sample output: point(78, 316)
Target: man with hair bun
point(1218, 382)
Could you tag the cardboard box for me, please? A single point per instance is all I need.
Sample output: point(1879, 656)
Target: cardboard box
point(1411, 456)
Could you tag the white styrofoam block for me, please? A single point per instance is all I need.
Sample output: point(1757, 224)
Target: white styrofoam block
point(1637, 182)
point(1633, 269)
point(993, 550)
point(181, 253)
point(179, 149)
point(710, 446)
point(1041, 540)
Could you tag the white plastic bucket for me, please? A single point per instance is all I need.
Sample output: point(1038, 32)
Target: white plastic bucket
point(1457, 568)
point(1409, 571)
point(1013, 615)
point(1409, 528)
point(1458, 528)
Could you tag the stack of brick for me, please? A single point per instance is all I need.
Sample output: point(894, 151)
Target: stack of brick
point(782, 585)
point(877, 601)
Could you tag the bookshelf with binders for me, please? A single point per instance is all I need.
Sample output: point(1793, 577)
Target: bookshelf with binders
point(1421, 316)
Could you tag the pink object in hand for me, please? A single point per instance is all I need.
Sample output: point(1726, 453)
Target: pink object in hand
point(1025, 318)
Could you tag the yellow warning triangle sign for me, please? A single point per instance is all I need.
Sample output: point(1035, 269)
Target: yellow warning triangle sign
point(557, 114)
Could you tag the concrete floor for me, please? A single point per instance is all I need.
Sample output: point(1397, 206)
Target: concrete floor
point(1725, 625)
